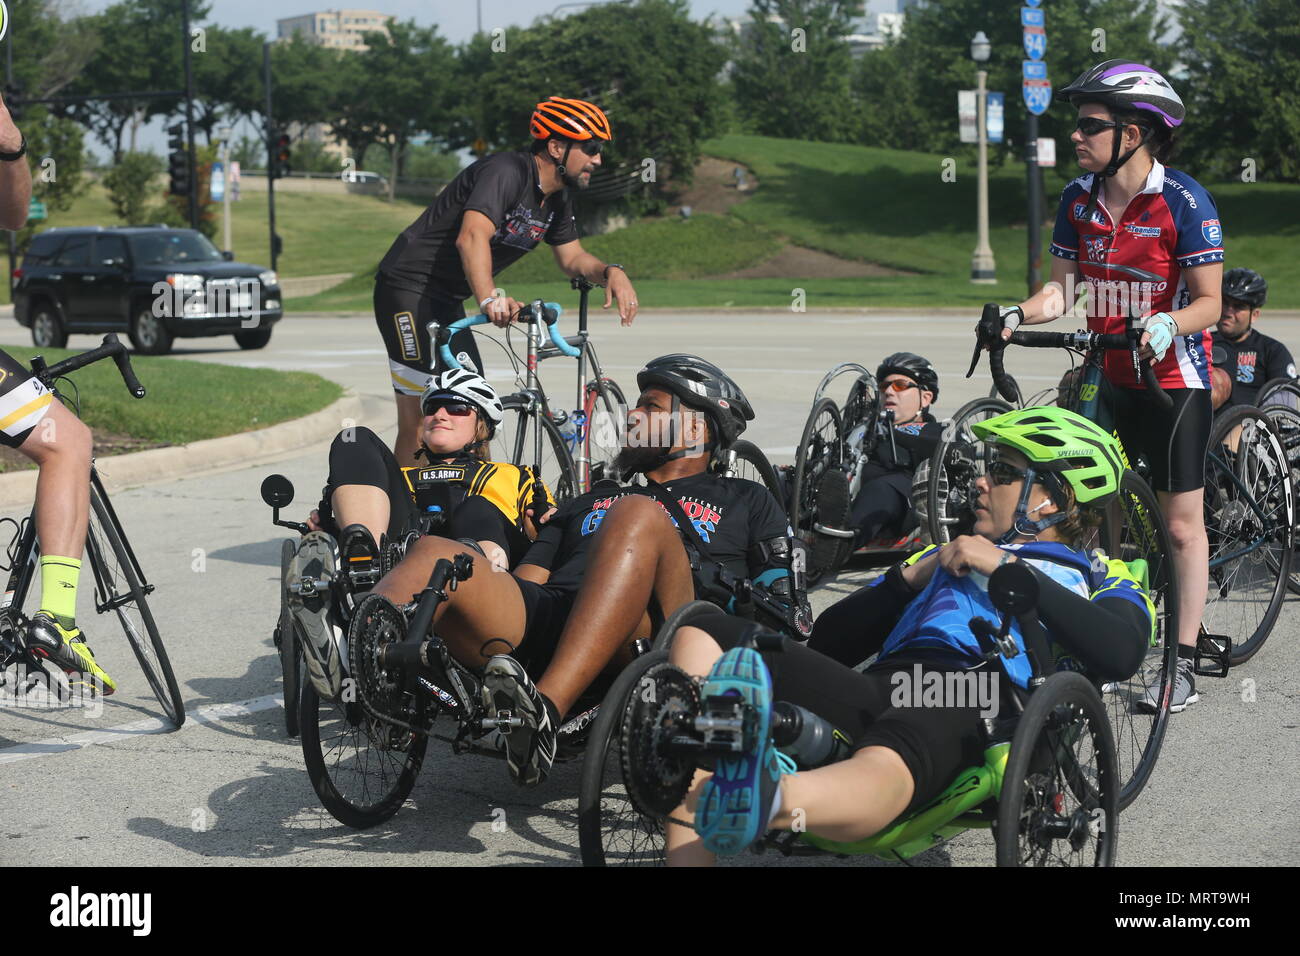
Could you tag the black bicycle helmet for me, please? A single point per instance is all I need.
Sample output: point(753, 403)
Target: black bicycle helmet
point(914, 366)
point(1245, 285)
point(703, 386)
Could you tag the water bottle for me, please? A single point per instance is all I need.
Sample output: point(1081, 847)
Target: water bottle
point(568, 426)
point(809, 739)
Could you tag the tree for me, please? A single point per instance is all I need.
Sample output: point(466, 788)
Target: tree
point(647, 64)
point(792, 69)
point(1242, 88)
point(227, 78)
point(128, 183)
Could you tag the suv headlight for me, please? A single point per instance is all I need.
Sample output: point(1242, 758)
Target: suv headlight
point(185, 281)
point(268, 278)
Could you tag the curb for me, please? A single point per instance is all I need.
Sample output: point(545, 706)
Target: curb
point(163, 464)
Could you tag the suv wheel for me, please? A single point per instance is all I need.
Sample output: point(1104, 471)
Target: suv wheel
point(253, 338)
point(149, 334)
point(47, 330)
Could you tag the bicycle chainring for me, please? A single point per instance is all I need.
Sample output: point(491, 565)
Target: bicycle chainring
point(656, 780)
point(376, 622)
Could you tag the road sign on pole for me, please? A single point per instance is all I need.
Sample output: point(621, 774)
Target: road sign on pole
point(35, 209)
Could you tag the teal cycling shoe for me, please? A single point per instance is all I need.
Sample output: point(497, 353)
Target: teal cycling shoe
point(736, 803)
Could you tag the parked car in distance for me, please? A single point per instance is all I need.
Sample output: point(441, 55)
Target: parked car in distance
point(155, 283)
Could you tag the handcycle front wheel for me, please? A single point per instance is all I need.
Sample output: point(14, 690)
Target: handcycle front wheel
point(118, 589)
point(1287, 422)
point(820, 451)
point(957, 461)
point(1059, 804)
point(1249, 514)
point(751, 464)
point(290, 663)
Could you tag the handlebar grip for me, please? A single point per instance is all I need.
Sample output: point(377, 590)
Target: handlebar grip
point(1006, 388)
point(122, 359)
point(1159, 394)
point(447, 331)
point(429, 600)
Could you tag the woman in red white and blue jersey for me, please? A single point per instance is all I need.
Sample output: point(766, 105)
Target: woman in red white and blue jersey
point(1137, 236)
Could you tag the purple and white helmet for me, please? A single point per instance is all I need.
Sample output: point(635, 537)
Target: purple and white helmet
point(1125, 85)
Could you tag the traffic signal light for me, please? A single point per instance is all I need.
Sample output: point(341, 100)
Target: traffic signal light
point(14, 100)
point(280, 155)
point(178, 160)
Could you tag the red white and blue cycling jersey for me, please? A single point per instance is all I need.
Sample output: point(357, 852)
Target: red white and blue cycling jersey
point(1171, 225)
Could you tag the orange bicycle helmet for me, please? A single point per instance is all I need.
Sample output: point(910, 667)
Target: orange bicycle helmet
point(572, 119)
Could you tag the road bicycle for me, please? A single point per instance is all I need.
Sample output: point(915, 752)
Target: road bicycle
point(120, 586)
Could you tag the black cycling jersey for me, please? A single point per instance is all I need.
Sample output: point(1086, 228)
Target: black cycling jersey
point(912, 444)
point(505, 188)
point(1250, 363)
point(731, 515)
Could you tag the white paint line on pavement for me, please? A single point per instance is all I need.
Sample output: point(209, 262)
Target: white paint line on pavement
point(210, 714)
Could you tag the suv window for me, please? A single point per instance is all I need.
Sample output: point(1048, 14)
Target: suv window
point(42, 249)
point(168, 248)
point(75, 252)
point(109, 247)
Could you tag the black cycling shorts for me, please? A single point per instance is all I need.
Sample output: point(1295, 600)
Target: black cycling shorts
point(935, 743)
point(403, 318)
point(546, 609)
point(23, 401)
point(1177, 462)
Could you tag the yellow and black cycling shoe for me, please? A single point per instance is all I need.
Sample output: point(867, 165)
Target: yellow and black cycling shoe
point(47, 639)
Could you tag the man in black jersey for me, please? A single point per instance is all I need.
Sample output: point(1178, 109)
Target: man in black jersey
point(1249, 357)
point(586, 587)
point(489, 216)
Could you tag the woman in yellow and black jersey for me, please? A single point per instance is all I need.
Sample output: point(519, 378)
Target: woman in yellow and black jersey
point(455, 492)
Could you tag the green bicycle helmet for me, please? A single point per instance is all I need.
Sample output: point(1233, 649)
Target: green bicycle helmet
point(1063, 448)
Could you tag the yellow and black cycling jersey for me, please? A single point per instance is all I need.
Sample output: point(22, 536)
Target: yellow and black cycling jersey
point(444, 485)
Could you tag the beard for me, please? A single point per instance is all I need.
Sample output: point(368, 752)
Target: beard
point(576, 181)
point(639, 458)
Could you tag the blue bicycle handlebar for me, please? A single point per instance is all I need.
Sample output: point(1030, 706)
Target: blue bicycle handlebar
point(551, 312)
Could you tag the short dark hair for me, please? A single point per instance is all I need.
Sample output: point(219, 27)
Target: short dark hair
point(1159, 137)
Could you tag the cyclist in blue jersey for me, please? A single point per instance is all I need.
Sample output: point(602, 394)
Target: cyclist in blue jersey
point(1053, 473)
point(1145, 239)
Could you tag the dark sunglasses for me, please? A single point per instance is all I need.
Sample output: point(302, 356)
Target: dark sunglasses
point(899, 385)
point(1002, 473)
point(1091, 126)
point(591, 147)
point(454, 409)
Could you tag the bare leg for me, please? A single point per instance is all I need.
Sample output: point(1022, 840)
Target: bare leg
point(408, 429)
point(1185, 513)
point(637, 553)
point(364, 505)
point(61, 445)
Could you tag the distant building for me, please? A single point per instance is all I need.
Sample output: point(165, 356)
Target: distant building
point(341, 29)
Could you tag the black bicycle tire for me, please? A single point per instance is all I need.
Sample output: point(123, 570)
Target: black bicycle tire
point(604, 390)
point(797, 518)
point(1285, 411)
point(602, 752)
point(1274, 385)
point(346, 811)
point(1061, 689)
point(749, 452)
point(1248, 648)
point(1166, 600)
point(932, 502)
point(566, 486)
point(290, 671)
point(104, 527)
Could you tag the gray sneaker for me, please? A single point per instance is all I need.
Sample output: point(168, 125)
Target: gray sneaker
point(1184, 692)
point(308, 585)
point(508, 692)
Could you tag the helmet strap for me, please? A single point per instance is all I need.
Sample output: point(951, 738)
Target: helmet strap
point(1116, 161)
point(1024, 526)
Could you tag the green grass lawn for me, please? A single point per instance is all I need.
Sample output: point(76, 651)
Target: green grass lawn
point(189, 401)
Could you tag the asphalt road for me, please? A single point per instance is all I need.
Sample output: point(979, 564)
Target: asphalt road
point(107, 784)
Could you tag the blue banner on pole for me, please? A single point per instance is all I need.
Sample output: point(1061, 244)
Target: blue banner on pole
point(994, 113)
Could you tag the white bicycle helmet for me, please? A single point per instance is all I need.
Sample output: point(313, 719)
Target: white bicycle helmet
point(461, 385)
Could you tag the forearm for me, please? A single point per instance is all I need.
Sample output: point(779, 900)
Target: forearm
point(1108, 637)
point(476, 260)
point(1202, 313)
point(590, 267)
point(854, 628)
point(15, 191)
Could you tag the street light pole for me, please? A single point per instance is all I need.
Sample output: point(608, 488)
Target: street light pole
point(983, 270)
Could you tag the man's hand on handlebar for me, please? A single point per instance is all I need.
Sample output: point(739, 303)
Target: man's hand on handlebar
point(619, 287)
point(502, 310)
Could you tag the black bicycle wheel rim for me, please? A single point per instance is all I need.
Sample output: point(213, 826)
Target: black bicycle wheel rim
point(289, 670)
point(1287, 422)
point(820, 448)
point(606, 422)
point(514, 443)
point(611, 832)
point(939, 492)
point(377, 778)
point(1257, 579)
point(1044, 773)
point(1139, 733)
point(118, 589)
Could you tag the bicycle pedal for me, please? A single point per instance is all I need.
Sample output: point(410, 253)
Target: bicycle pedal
point(1213, 655)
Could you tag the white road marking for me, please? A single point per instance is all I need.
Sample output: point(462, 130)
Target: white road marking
point(210, 714)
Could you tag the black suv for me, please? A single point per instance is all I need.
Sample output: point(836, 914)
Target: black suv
point(153, 282)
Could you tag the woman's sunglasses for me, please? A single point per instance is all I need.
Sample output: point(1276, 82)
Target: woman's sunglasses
point(1091, 126)
point(1002, 473)
point(454, 409)
point(898, 385)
